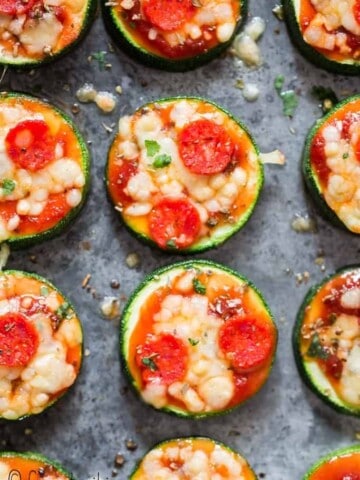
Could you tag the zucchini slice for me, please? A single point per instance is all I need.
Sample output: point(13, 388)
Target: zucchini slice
point(35, 32)
point(343, 464)
point(173, 35)
point(40, 344)
point(184, 174)
point(30, 465)
point(331, 164)
point(326, 36)
point(197, 339)
point(326, 340)
point(44, 170)
point(190, 456)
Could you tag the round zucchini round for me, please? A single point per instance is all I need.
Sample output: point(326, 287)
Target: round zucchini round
point(40, 344)
point(43, 33)
point(342, 464)
point(44, 180)
point(28, 465)
point(177, 453)
point(330, 178)
point(197, 339)
point(298, 14)
point(326, 340)
point(133, 31)
point(184, 174)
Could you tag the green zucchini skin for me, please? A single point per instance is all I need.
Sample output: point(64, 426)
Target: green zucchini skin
point(40, 458)
point(24, 241)
point(52, 286)
point(310, 53)
point(134, 50)
point(155, 276)
point(309, 174)
point(336, 404)
point(193, 437)
point(23, 64)
point(337, 453)
point(210, 243)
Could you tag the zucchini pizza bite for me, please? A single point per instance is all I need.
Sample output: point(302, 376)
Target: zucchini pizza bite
point(30, 466)
point(40, 344)
point(327, 32)
point(44, 170)
point(197, 339)
point(198, 458)
point(175, 35)
point(327, 340)
point(34, 32)
point(342, 464)
point(183, 174)
point(331, 164)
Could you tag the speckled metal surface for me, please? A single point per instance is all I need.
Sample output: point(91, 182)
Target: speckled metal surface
point(284, 429)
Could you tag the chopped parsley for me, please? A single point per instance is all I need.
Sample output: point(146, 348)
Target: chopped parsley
point(316, 349)
point(171, 243)
point(288, 97)
point(64, 311)
point(345, 156)
point(149, 363)
point(100, 58)
point(8, 186)
point(278, 83)
point(162, 161)
point(193, 342)
point(152, 147)
point(198, 286)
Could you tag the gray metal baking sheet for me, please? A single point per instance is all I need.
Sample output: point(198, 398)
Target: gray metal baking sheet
point(284, 428)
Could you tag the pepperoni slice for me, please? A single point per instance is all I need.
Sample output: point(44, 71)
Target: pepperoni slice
point(318, 158)
point(162, 360)
point(247, 342)
point(205, 147)
point(357, 150)
point(169, 15)
point(15, 7)
point(174, 223)
point(18, 340)
point(119, 177)
point(30, 145)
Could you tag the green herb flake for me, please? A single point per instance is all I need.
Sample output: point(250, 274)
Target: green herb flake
point(193, 342)
point(198, 286)
point(8, 186)
point(64, 311)
point(345, 156)
point(149, 363)
point(316, 349)
point(326, 96)
point(290, 102)
point(171, 243)
point(162, 161)
point(239, 84)
point(278, 83)
point(152, 147)
point(44, 291)
point(100, 58)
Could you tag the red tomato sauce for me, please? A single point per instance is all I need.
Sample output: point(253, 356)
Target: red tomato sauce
point(348, 114)
point(307, 13)
point(138, 26)
point(325, 306)
point(344, 467)
point(246, 384)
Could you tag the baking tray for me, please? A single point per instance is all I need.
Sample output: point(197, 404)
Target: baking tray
point(284, 428)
